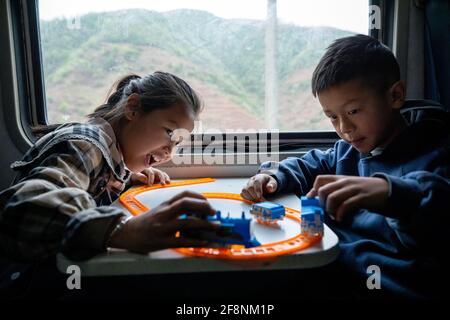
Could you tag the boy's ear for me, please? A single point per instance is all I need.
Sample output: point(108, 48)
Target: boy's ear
point(132, 106)
point(397, 94)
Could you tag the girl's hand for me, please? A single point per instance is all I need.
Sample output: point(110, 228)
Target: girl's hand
point(258, 186)
point(150, 176)
point(156, 229)
point(344, 194)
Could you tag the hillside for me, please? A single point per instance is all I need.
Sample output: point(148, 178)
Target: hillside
point(222, 59)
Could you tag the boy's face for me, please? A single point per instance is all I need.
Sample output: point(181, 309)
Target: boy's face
point(149, 139)
point(361, 116)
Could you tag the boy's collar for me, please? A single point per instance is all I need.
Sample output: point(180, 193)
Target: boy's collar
point(376, 152)
point(413, 138)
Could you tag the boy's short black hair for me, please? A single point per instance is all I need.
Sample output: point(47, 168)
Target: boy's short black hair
point(356, 57)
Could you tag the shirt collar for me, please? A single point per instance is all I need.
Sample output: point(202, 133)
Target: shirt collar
point(113, 144)
point(377, 151)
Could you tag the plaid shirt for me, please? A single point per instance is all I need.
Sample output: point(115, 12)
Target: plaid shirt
point(60, 199)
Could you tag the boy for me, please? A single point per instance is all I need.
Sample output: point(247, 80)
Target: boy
point(384, 184)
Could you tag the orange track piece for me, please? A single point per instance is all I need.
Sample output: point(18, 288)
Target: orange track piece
point(299, 242)
point(136, 207)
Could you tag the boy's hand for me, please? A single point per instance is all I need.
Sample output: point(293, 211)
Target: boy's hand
point(150, 176)
point(344, 194)
point(156, 229)
point(258, 186)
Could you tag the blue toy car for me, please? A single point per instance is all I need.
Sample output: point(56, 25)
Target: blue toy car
point(268, 212)
point(312, 216)
point(232, 231)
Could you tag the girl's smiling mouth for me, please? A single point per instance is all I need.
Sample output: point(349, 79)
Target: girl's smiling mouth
point(151, 159)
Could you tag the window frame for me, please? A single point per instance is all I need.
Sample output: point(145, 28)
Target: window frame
point(26, 107)
point(33, 108)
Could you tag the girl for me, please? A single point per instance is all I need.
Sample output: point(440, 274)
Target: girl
point(61, 197)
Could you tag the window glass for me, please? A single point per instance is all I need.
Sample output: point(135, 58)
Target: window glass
point(251, 61)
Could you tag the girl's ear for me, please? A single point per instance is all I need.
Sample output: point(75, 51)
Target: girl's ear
point(132, 107)
point(397, 94)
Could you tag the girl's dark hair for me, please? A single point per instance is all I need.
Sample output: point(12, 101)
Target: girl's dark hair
point(156, 91)
point(356, 57)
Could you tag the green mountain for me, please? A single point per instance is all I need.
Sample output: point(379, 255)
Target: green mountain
point(223, 59)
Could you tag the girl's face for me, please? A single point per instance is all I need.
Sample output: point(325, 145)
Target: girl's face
point(149, 139)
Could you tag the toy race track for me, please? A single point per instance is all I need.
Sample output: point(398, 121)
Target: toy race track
point(292, 243)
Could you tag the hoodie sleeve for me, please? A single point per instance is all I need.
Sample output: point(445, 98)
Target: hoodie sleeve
point(297, 175)
point(50, 210)
point(418, 204)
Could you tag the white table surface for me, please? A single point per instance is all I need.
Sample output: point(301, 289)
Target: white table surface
point(119, 262)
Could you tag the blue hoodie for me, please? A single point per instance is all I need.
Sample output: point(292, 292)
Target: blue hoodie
point(407, 240)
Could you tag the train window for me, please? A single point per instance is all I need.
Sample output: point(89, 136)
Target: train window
point(251, 61)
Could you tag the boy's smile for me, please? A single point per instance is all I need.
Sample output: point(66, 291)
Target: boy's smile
point(361, 116)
